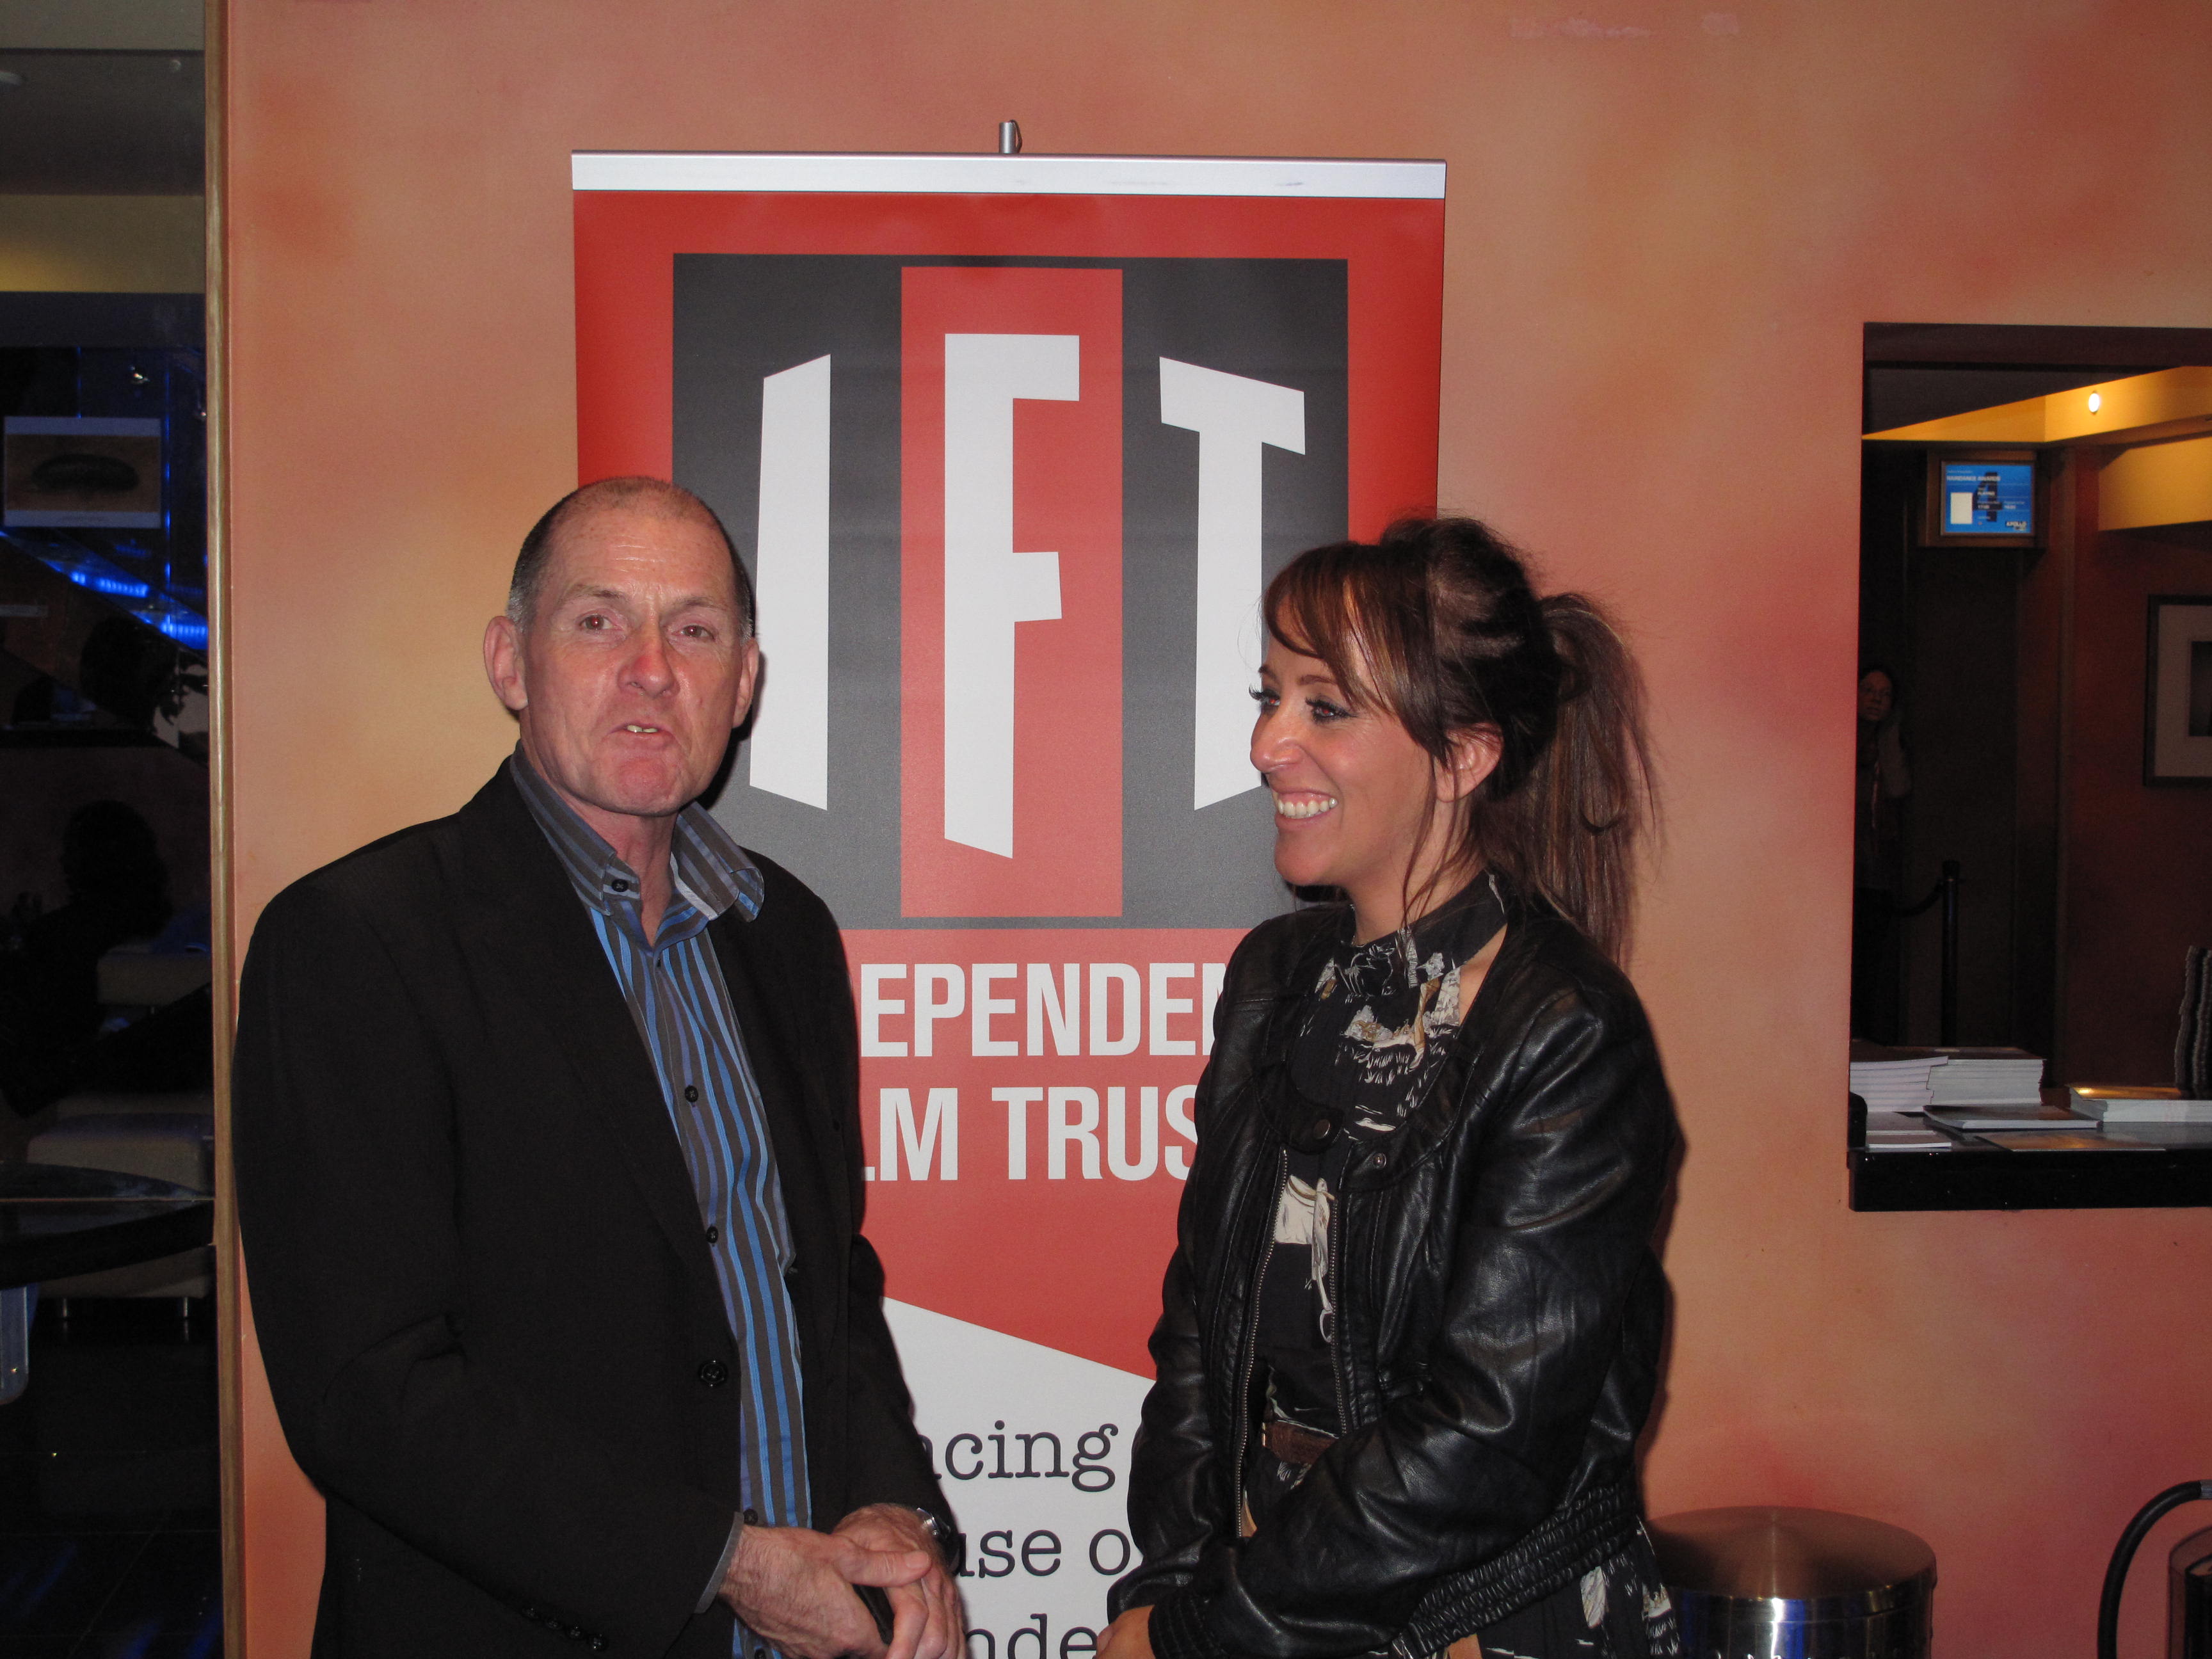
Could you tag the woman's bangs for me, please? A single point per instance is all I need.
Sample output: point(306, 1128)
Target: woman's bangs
point(1313, 611)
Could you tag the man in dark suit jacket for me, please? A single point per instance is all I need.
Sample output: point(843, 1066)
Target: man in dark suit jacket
point(549, 1176)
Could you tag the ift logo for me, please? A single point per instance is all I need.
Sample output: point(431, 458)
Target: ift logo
point(1010, 520)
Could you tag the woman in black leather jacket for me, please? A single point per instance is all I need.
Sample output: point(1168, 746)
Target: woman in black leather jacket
point(1412, 1327)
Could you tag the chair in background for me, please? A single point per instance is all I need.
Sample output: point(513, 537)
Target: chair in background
point(2192, 1046)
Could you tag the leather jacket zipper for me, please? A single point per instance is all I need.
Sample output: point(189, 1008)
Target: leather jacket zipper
point(1251, 1345)
point(1333, 1279)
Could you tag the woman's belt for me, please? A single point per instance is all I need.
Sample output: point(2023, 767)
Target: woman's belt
point(1289, 1444)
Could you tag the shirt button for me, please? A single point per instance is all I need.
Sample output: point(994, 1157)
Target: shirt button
point(619, 886)
point(713, 1234)
point(714, 1373)
point(691, 1092)
point(1380, 1159)
point(752, 1518)
point(597, 1645)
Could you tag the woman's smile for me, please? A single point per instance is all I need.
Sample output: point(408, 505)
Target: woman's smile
point(1301, 806)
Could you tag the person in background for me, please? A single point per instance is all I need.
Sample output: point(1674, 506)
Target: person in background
point(49, 1010)
point(1412, 1324)
point(549, 1175)
point(1884, 780)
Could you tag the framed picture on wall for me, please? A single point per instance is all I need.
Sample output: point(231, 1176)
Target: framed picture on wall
point(2178, 703)
point(85, 472)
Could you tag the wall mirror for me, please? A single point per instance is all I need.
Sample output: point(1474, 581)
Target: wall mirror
point(109, 1352)
point(2036, 518)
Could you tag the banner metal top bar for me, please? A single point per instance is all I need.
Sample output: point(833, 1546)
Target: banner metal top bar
point(1009, 175)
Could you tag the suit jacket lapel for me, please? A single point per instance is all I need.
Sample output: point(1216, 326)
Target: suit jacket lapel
point(809, 1153)
point(539, 936)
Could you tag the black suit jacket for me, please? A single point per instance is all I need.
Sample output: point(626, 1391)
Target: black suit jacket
point(480, 1281)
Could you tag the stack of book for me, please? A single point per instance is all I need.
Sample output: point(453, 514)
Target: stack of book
point(1987, 1076)
point(1965, 1091)
point(1978, 1090)
point(1892, 1079)
point(1904, 1132)
point(2030, 1114)
point(2111, 1102)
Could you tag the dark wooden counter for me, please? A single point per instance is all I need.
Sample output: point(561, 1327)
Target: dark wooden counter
point(1977, 1176)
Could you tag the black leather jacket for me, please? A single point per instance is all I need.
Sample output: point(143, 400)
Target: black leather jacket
point(1500, 1315)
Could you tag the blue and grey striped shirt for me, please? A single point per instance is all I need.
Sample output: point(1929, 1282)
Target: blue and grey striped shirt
point(674, 986)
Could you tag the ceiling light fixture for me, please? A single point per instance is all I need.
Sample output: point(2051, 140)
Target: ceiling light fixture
point(2096, 402)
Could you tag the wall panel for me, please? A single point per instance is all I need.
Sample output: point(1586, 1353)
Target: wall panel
point(1668, 227)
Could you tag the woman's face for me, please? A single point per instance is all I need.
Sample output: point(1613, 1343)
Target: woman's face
point(1352, 789)
point(1876, 696)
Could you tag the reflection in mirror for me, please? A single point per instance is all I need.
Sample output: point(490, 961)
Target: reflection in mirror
point(2027, 495)
point(110, 1472)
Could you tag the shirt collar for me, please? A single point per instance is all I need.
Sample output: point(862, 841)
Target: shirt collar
point(712, 872)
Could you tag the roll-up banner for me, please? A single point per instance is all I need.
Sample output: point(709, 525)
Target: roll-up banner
point(1011, 445)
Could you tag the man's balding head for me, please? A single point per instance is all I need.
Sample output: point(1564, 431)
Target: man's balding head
point(630, 659)
point(653, 497)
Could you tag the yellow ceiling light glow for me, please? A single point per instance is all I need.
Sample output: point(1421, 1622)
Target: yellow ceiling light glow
point(2167, 403)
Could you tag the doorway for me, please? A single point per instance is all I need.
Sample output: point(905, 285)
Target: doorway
point(2014, 665)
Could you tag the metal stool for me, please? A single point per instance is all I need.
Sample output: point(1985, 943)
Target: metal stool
point(1776, 1583)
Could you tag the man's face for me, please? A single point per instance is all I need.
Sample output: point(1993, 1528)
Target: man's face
point(1876, 696)
point(634, 667)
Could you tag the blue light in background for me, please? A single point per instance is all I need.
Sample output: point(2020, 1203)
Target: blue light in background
point(120, 586)
point(158, 610)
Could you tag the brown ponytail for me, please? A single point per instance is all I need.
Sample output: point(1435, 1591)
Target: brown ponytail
point(1438, 625)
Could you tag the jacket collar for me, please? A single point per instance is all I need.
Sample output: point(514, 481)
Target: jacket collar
point(709, 871)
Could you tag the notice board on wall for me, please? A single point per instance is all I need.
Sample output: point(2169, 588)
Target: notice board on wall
point(1011, 445)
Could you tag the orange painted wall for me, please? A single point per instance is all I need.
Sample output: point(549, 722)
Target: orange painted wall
point(1667, 224)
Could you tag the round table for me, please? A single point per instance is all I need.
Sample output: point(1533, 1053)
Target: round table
point(56, 1221)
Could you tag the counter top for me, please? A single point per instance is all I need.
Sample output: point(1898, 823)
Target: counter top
point(1978, 1175)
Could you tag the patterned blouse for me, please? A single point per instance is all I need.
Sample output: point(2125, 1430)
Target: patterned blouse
point(1366, 1040)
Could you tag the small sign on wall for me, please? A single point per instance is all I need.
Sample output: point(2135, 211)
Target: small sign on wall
point(2178, 713)
point(1994, 498)
point(1982, 498)
point(80, 472)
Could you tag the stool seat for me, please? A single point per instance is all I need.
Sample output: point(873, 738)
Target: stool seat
point(172, 1146)
point(176, 1147)
point(1808, 1583)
